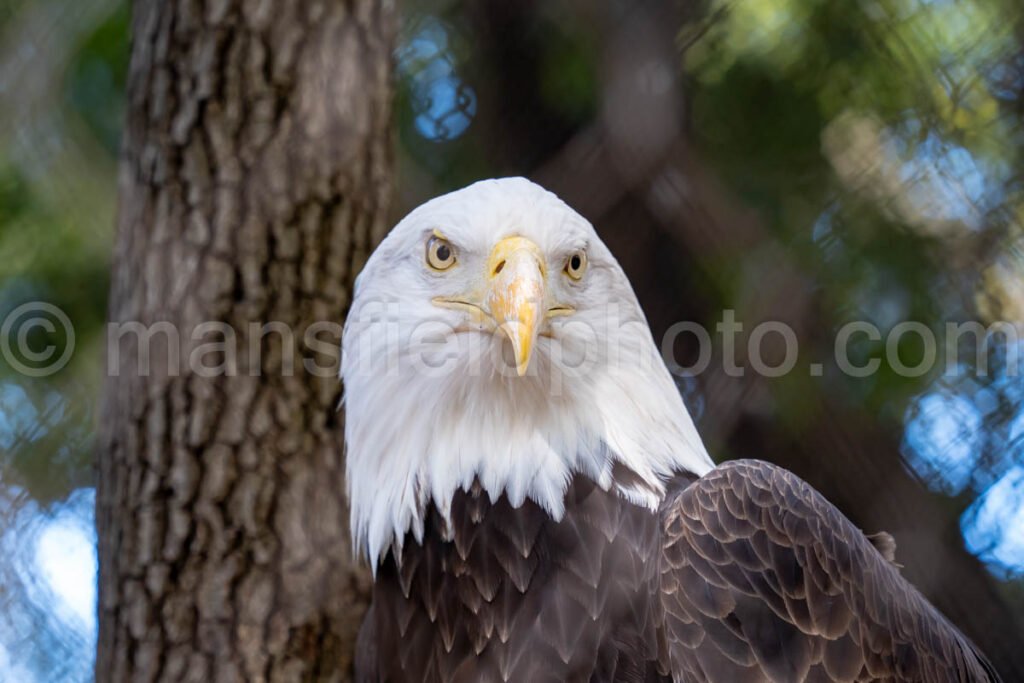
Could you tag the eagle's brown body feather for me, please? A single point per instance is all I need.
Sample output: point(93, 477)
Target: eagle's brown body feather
point(747, 574)
point(517, 596)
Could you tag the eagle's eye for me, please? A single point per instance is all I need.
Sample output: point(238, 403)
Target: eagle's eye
point(576, 264)
point(440, 253)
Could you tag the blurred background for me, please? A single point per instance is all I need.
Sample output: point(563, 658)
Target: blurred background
point(807, 161)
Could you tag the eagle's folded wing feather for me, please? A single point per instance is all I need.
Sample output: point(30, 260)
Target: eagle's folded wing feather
point(761, 576)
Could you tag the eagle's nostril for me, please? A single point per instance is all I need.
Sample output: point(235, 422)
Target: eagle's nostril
point(499, 267)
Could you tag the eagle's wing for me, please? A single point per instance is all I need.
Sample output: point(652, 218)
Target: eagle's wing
point(764, 579)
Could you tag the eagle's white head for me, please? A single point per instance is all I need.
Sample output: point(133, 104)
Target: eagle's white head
point(493, 337)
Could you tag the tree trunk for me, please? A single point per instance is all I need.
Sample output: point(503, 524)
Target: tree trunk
point(255, 180)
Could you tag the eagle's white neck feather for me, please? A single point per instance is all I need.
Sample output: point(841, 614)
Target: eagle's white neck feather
point(417, 433)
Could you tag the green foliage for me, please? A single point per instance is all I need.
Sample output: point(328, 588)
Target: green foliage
point(877, 141)
point(96, 79)
point(56, 221)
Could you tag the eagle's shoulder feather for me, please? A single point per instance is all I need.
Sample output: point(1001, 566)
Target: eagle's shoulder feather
point(761, 574)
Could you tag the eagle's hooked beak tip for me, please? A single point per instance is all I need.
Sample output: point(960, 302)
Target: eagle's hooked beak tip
point(521, 336)
point(515, 297)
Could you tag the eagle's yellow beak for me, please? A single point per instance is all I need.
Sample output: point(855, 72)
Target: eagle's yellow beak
point(515, 294)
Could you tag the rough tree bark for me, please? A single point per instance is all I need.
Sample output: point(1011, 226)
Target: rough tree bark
point(255, 179)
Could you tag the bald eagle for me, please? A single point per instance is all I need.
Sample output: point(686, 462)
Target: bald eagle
point(537, 505)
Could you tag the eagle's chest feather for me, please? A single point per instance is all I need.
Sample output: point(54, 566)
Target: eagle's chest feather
point(508, 593)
